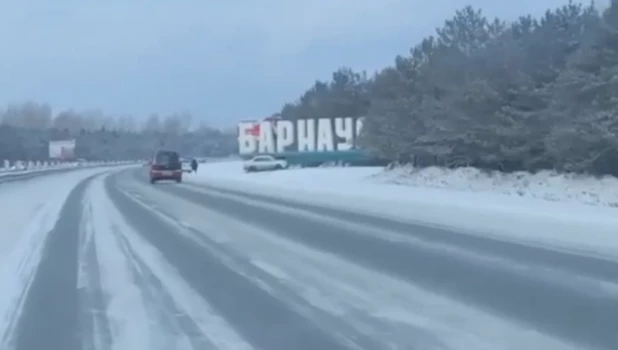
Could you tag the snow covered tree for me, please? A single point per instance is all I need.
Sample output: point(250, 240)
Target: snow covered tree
point(539, 93)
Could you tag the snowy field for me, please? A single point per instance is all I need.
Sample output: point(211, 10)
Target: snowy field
point(562, 212)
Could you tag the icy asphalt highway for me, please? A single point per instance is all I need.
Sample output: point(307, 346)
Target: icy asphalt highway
point(133, 266)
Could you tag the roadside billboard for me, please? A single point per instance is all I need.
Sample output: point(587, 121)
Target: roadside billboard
point(62, 149)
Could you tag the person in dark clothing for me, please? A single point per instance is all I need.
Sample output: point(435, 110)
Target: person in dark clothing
point(194, 165)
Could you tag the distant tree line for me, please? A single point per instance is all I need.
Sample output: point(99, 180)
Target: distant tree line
point(537, 93)
point(26, 129)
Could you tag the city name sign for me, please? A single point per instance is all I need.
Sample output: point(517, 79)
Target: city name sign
point(303, 135)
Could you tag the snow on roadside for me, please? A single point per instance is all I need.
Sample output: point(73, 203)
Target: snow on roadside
point(29, 211)
point(570, 225)
point(546, 185)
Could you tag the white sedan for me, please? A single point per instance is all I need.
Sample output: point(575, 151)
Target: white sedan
point(260, 163)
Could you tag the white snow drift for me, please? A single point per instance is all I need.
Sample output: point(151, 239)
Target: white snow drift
point(546, 185)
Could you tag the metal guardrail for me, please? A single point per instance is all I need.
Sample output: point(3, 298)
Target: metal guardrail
point(33, 170)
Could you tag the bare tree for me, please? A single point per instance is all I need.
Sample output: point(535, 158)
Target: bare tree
point(68, 120)
point(152, 124)
point(92, 119)
point(172, 124)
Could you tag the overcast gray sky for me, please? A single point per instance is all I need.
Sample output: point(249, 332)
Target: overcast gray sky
point(220, 60)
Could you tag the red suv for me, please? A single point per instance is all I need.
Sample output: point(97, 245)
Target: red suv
point(165, 166)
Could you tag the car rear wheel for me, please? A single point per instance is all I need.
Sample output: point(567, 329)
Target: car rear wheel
point(278, 167)
point(178, 180)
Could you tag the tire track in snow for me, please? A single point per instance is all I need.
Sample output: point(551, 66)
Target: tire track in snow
point(183, 330)
point(394, 313)
point(49, 319)
point(261, 318)
point(96, 334)
point(177, 317)
point(575, 308)
point(131, 318)
point(269, 283)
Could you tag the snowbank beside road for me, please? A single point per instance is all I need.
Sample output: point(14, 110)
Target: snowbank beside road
point(475, 203)
point(545, 185)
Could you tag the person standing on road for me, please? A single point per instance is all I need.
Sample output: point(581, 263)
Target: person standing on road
point(194, 165)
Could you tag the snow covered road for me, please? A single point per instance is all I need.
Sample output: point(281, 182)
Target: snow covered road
point(129, 265)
